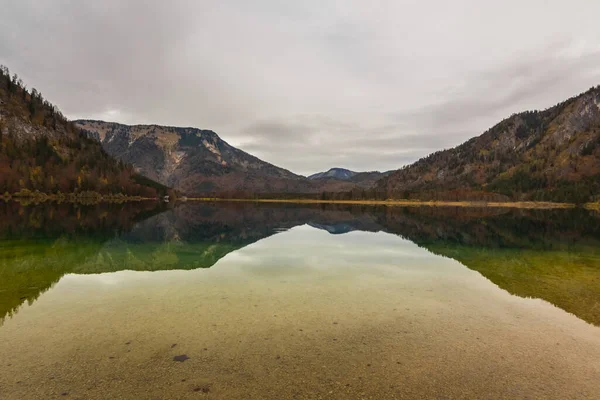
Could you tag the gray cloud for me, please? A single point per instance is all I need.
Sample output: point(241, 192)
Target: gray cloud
point(307, 85)
point(537, 82)
point(317, 139)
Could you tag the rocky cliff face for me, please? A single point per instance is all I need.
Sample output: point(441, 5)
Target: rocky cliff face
point(540, 155)
point(194, 161)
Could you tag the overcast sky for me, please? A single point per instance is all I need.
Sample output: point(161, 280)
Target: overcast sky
point(312, 84)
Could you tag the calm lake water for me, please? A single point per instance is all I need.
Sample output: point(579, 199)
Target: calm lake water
point(279, 301)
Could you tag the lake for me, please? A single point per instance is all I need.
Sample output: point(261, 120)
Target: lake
point(267, 301)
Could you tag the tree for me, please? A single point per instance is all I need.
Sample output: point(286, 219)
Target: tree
point(14, 84)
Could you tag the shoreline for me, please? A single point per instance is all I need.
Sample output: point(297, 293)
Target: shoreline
point(413, 203)
point(121, 198)
point(73, 198)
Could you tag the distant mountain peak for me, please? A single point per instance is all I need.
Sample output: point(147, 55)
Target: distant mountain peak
point(363, 180)
point(334, 173)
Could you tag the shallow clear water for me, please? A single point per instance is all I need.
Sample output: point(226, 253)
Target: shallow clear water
point(251, 301)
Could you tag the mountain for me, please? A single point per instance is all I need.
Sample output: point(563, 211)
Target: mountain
point(551, 155)
point(40, 150)
point(362, 180)
point(197, 161)
point(335, 173)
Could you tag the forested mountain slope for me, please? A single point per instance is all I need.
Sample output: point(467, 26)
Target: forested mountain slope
point(536, 155)
point(40, 150)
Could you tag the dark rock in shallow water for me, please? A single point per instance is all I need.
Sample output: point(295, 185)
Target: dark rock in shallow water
point(181, 358)
point(203, 389)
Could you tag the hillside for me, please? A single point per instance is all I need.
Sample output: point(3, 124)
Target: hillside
point(551, 155)
point(197, 161)
point(40, 150)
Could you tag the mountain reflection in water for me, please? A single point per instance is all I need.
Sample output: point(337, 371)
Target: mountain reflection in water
point(549, 254)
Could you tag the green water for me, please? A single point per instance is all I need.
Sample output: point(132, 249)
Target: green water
point(298, 302)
